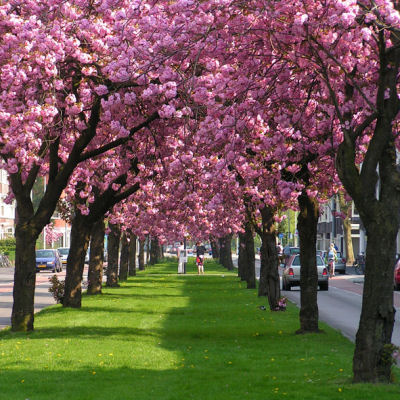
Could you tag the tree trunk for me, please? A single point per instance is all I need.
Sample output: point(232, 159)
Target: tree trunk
point(154, 251)
point(96, 260)
point(113, 255)
point(80, 236)
point(373, 339)
point(242, 257)
point(214, 248)
point(246, 262)
point(377, 199)
point(123, 265)
point(225, 254)
point(132, 256)
point(307, 223)
point(141, 254)
point(346, 208)
point(22, 316)
point(269, 284)
point(148, 250)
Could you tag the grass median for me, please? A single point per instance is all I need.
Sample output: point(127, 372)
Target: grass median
point(172, 337)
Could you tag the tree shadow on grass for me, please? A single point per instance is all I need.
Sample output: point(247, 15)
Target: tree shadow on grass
point(210, 341)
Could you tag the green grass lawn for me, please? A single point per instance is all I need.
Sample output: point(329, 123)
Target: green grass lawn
point(169, 337)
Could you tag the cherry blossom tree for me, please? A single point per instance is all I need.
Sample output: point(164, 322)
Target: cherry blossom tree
point(353, 47)
point(69, 70)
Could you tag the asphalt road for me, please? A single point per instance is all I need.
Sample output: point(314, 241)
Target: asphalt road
point(340, 306)
point(42, 296)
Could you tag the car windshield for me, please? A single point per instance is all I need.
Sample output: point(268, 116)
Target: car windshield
point(63, 252)
point(296, 261)
point(44, 253)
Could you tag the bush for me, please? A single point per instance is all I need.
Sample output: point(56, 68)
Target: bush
point(57, 289)
point(7, 246)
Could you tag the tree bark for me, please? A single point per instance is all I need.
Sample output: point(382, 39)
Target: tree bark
point(307, 223)
point(96, 258)
point(148, 249)
point(346, 208)
point(269, 284)
point(132, 256)
point(242, 257)
point(378, 207)
point(113, 255)
point(123, 264)
point(22, 315)
point(225, 253)
point(80, 236)
point(246, 261)
point(214, 248)
point(141, 254)
point(154, 251)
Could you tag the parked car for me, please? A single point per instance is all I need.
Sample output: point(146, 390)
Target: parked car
point(397, 275)
point(48, 259)
point(291, 273)
point(340, 263)
point(289, 251)
point(64, 251)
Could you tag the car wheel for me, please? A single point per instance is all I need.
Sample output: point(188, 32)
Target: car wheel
point(324, 286)
point(286, 285)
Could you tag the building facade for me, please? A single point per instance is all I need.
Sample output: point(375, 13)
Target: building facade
point(7, 211)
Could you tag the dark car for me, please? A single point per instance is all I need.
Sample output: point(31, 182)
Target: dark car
point(291, 273)
point(397, 275)
point(48, 259)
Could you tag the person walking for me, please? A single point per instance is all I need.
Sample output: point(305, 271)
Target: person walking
point(200, 250)
point(181, 258)
point(332, 256)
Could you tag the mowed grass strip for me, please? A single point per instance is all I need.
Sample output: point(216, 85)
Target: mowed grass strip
point(171, 337)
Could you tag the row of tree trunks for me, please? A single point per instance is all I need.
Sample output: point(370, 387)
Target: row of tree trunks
point(225, 252)
point(269, 283)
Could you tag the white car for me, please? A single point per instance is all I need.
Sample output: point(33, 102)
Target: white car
point(291, 273)
point(64, 251)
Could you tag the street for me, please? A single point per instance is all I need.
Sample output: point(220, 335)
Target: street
point(340, 306)
point(42, 296)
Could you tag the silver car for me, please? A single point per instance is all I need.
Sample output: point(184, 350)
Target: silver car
point(291, 273)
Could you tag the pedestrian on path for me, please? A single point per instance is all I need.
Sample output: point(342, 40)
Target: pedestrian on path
point(200, 250)
point(181, 258)
point(332, 256)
